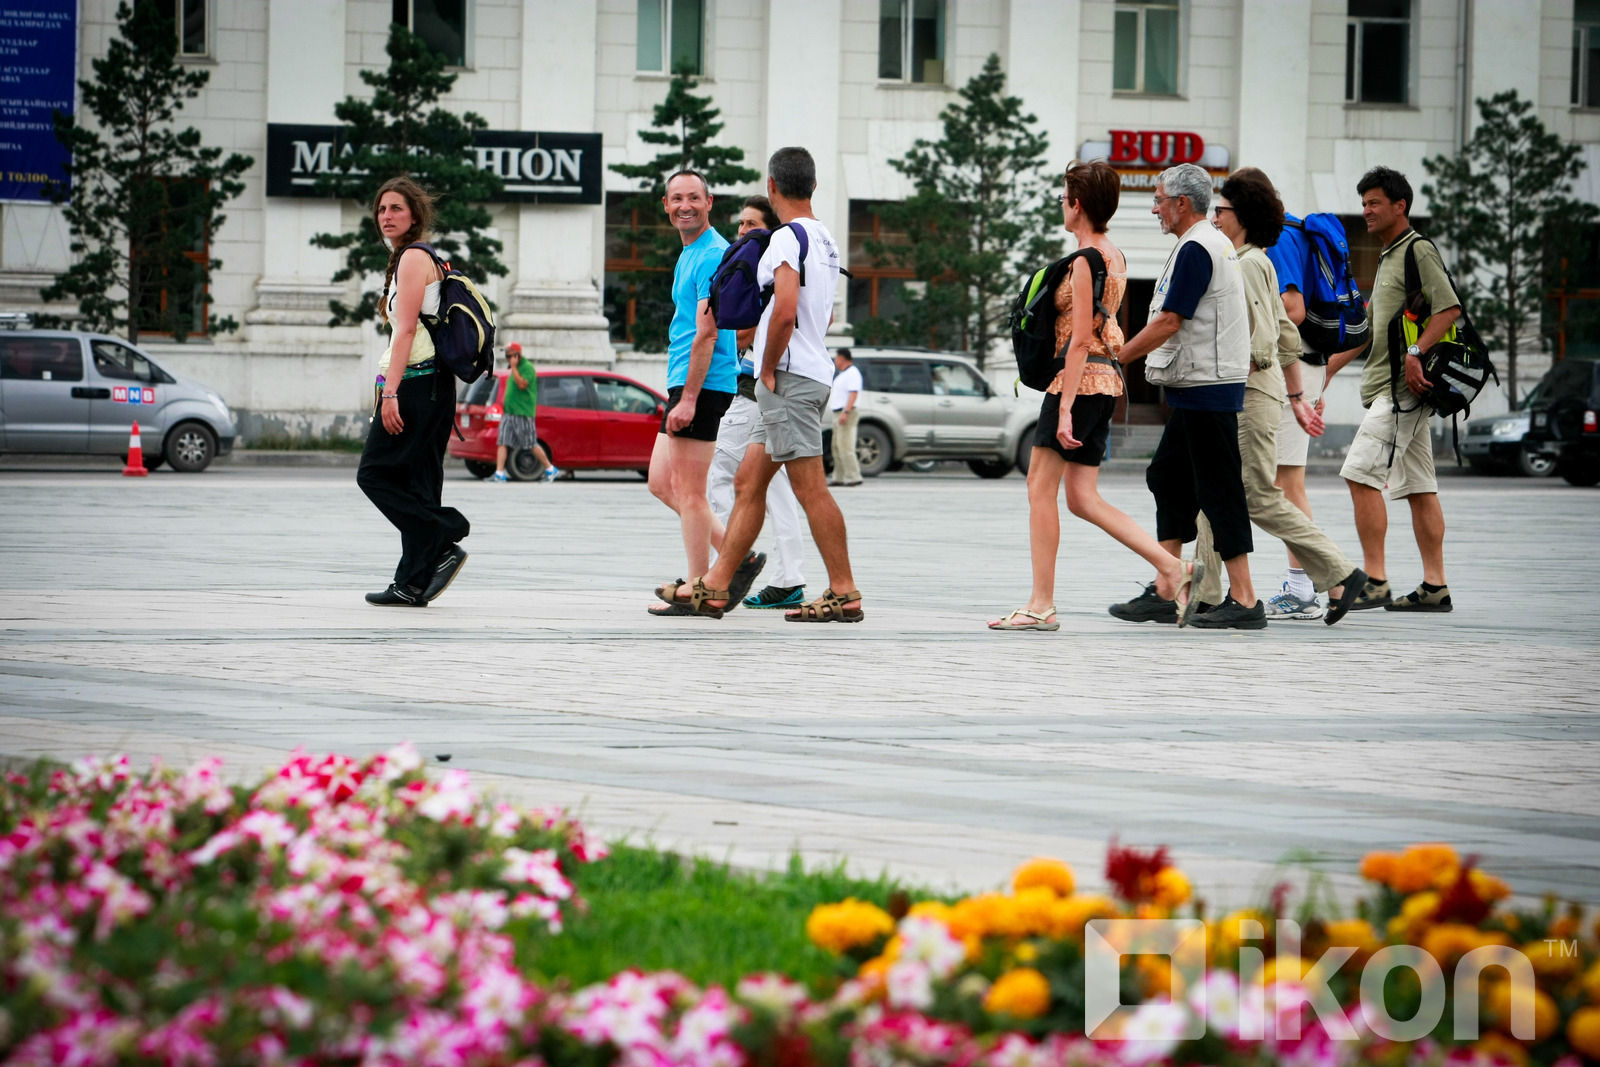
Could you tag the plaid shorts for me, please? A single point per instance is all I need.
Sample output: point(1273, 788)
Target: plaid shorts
point(517, 431)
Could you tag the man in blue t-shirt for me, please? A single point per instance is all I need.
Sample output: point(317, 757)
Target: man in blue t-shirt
point(702, 374)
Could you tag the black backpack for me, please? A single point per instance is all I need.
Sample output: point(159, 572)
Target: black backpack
point(463, 331)
point(1033, 318)
point(737, 302)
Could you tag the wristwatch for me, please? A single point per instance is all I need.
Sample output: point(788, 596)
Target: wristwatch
point(1413, 350)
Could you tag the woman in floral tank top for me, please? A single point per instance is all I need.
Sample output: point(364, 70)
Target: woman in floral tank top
point(1075, 417)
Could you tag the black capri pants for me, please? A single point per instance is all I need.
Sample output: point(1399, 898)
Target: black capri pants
point(403, 475)
point(1195, 469)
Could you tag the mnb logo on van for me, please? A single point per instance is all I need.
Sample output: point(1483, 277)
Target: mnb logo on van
point(132, 394)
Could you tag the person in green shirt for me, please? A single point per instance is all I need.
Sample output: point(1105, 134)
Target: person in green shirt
point(517, 427)
point(1393, 449)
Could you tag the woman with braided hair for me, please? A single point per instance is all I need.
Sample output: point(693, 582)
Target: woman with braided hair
point(402, 466)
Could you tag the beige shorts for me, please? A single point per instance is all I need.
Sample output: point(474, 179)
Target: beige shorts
point(1294, 443)
point(1408, 436)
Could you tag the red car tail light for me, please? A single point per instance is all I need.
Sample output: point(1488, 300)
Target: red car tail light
point(1591, 424)
point(492, 415)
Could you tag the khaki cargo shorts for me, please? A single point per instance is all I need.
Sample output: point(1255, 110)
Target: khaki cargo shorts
point(1408, 436)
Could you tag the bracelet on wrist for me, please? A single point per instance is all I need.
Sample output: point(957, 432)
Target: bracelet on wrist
point(391, 396)
point(1296, 396)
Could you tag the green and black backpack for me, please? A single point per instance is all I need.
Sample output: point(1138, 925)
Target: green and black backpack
point(1033, 318)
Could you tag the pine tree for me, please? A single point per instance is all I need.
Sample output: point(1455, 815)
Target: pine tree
point(983, 214)
point(1505, 204)
point(144, 196)
point(401, 131)
point(685, 125)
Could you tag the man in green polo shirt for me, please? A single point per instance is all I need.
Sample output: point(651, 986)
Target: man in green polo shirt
point(517, 427)
point(1393, 449)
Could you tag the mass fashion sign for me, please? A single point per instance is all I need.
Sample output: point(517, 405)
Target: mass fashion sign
point(1141, 155)
point(537, 168)
point(38, 70)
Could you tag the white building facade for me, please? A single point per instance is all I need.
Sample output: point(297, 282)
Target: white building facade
point(1314, 92)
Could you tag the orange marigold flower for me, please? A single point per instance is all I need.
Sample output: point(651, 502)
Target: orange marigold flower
point(1590, 983)
point(1425, 866)
point(1379, 866)
point(1030, 911)
point(1502, 999)
point(1171, 888)
point(1068, 917)
point(1448, 942)
point(1044, 871)
point(1022, 993)
point(1583, 1032)
point(1488, 886)
point(1353, 933)
point(1416, 912)
point(847, 925)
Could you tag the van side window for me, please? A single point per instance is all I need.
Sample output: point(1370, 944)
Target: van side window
point(898, 376)
point(41, 359)
point(956, 379)
point(121, 363)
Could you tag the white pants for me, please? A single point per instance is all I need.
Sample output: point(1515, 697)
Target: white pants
point(783, 510)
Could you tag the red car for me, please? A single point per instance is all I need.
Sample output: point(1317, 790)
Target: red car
point(587, 420)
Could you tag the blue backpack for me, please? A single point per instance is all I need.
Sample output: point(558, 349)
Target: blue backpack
point(463, 331)
point(736, 300)
point(1336, 316)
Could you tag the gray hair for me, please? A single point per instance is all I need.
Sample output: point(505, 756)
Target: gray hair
point(1186, 179)
point(794, 173)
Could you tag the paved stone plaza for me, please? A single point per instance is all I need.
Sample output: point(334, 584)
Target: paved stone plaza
point(176, 616)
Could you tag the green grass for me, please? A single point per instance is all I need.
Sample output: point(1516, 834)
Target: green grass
point(657, 911)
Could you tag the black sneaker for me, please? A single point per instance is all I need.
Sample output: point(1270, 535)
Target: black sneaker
point(1146, 607)
point(777, 596)
point(445, 569)
point(1232, 615)
point(397, 596)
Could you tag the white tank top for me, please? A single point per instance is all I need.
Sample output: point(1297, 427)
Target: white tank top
point(422, 341)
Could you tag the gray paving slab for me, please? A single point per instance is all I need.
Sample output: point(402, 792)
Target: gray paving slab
point(177, 616)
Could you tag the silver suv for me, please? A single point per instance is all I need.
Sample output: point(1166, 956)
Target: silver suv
point(80, 393)
point(919, 404)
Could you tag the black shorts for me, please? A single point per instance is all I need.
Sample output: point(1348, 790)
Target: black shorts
point(708, 412)
point(1091, 424)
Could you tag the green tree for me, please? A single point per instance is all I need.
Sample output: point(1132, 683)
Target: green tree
point(684, 125)
point(402, 131)
point(144, 197)
point(1505, 204)
point(983, 214)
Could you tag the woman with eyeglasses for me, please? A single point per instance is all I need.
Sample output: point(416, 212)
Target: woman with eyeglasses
point(1075, 417)
point(1249, 213)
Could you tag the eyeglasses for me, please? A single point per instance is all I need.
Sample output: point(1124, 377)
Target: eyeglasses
point(1217, 209)
point(1163, 199)
point(1061, 198)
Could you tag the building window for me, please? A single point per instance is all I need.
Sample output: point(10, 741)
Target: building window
point(876, 290)
point(629, 228)
point(1586, 53)
point(174, 293)
point(1377, 52)
point(911, 41)
point(1145, 46)
point(671, 36)
point(442, 25)
point(189, 24)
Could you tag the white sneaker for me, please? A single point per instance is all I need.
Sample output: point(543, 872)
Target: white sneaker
point(1286, 606)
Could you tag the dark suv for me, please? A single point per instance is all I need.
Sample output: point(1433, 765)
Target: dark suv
point(1565, 419)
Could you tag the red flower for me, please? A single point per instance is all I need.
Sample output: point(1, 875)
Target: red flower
point(1460, 902)
point(1132, 873)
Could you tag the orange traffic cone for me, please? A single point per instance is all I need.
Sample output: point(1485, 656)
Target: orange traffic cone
point(135, 467)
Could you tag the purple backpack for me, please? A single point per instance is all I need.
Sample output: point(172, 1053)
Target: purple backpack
point(736, 300)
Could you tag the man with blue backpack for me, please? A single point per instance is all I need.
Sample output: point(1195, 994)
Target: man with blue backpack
point(1312, 258)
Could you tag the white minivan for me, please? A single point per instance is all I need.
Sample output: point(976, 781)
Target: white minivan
point(80, 393)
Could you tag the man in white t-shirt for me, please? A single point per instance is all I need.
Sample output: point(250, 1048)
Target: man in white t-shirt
point(842, 402)
point(795, 377)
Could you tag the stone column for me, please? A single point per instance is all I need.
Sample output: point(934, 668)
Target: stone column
point(807, 114)
point(1275, 97)
point(555, 307)
point(305, 79)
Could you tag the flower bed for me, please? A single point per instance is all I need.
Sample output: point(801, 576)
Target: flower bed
point(360, 912)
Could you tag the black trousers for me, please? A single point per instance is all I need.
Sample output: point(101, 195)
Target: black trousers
point(403, 475)
point(1195, 469)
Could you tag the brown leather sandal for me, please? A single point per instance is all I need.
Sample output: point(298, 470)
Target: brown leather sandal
point(829, 607)
point(698, 602)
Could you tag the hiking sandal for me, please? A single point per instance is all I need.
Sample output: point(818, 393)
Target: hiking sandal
point(829, 607)
point(668, 592)
point(697, 604)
